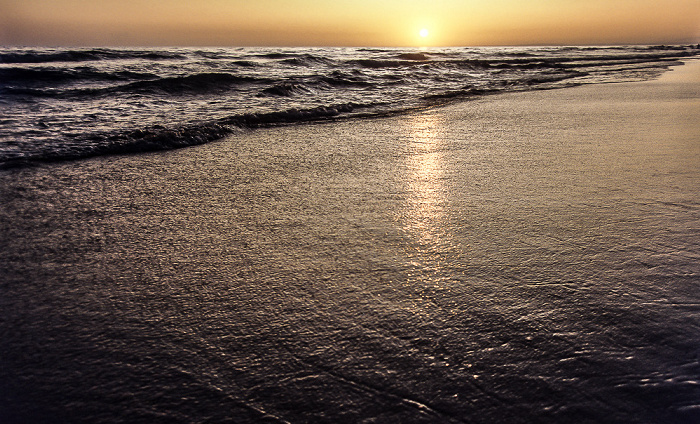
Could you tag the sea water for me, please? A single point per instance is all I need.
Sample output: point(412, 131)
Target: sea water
point(59, 103)
point(528, 259)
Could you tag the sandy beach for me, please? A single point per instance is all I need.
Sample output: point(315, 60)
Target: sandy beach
point(523, 257)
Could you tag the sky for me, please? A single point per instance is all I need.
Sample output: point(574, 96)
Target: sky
point(347, 22)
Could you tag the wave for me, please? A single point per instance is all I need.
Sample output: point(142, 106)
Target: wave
point(386, 63)
point(157, 138)
point(556, 58)
point(570, 61)
point(335, 79)
point(276, 55)
point(245, 63)
point(549, 78)
point(342, 79)
point(537, 81)
point(34, 56)
point(139, 141)
point(414, 56)
point(56, 76)
point(467, 91)
point(306, 60)
point(55, 108)
point(285, 90)
point(292, 116)
point(196, 84)
point(667, 47)
point(188, 84)
point(28, 82)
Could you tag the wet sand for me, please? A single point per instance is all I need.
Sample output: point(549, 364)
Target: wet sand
point(527, 257)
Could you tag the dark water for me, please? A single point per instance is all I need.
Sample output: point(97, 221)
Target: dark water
point(519, 260)
point(67, 103)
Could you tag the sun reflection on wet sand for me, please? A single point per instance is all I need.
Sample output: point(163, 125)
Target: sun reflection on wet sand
point(425, 213)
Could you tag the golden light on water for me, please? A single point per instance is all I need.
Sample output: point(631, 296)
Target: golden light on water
point(426, 179)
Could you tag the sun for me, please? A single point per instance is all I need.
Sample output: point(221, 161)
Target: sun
point(423, 33)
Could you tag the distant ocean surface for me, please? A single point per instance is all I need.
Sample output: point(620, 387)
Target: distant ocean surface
point(58, 103)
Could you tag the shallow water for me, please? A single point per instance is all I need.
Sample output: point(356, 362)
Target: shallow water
point(506, 260)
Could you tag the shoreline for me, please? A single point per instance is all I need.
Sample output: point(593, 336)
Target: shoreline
point(524, 257)
point(158, 138)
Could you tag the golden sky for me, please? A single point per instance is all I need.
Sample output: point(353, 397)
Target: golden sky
point(347, 22)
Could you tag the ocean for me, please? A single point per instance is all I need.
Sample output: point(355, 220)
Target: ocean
point(358, 236)
point(62, 103)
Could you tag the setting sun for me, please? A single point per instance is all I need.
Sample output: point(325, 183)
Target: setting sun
point(347, 23)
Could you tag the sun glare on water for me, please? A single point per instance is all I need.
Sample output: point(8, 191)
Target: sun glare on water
point(423, 33)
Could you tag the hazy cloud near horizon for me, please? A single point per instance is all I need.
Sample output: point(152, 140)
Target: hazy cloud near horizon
point(348, 23)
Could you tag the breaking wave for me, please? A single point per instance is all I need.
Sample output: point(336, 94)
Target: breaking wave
point(41, 56)
point(73, 103)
